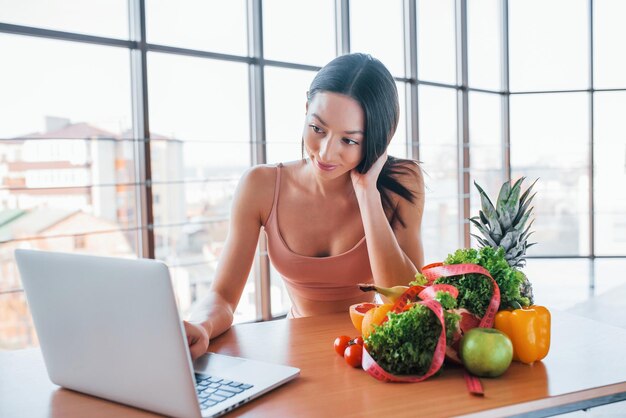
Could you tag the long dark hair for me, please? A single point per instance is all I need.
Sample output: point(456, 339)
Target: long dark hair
point(366, 80)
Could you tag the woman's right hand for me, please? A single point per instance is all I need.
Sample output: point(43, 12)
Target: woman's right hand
point(197, 339)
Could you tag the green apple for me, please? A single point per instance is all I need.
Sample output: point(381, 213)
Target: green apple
point(486, 352)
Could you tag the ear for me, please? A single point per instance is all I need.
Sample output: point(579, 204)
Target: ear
point(306, 107)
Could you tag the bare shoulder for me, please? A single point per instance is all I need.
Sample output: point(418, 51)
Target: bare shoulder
point(256, 189)
point(262, 175)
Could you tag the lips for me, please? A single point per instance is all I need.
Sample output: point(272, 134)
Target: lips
point(325, 167)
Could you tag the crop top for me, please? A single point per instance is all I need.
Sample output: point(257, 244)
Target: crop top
point(316, 278)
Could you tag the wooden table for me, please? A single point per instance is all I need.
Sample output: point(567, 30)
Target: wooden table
point(586, 367)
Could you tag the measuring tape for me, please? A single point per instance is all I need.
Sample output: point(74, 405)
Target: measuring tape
point(433, 272)
point(370, 365)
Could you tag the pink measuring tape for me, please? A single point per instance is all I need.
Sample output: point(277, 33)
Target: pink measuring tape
point(433, 272)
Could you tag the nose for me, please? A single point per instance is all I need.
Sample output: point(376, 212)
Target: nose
point(329, 149)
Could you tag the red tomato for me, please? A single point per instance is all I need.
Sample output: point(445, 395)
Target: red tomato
point(358, 340)
point(354, 355)
point(341, 343)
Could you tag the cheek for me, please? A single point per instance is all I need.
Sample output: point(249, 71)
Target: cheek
point(357, 155)
point(310, 144)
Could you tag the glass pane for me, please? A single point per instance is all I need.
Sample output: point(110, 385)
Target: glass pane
point(198, 98)
point(486, 148)
point(16, 324)
point(484, 46)
point(201, 147)
point(192, 194)
point(542, 57)
point(559, 283)
point(107, 18)
point(609, 274)
point(216, 26)
point(40, 198)
point(440, 227)
point(56, 141)
point(85, 86)
point(438, 153)
point(377, 28)
point(436, 43)
point(609, 69)
point(299, 31)
point(550, 141)
point(398, 145)
point(198, 162)
point(610, 173)
point(281, 303)
point(78, 233)
point(193, 252)
point(285, 110)
point(16, 327)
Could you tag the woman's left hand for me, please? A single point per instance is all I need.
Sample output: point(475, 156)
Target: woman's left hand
point(367, 181)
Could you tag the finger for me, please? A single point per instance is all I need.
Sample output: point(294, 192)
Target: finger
point(196, 350)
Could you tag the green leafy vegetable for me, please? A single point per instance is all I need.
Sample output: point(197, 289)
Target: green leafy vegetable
point(475, 290)
point(406, 342)
point(420, 280)
point(446, 300)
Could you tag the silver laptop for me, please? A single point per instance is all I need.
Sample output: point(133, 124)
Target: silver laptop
point(109, 327)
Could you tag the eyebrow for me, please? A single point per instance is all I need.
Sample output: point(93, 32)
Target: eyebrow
point(345, 132)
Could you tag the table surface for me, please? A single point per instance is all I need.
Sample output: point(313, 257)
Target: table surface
point(607, 307)
point(585, 367)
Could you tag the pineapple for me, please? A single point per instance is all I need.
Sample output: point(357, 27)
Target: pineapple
point(503, 226)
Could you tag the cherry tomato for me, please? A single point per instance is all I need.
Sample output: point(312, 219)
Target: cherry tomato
point(358, 340)
point(354, 355)
point(341, 343)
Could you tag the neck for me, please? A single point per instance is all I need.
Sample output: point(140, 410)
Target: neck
point(341, 186)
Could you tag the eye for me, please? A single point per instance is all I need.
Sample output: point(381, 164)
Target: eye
point(316, 129)
point(350, 141)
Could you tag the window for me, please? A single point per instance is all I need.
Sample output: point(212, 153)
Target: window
point(609, 62)
point(299, 32)
point(486, 146)
point(439, 154)
point(546, 56)
point(549, 141)
point(197, 24)
point(80, 242)
point(107, 18)
point(199, 149)
point(285, 108)
point(436, 42)
point(377, 28)
point(532, 98)
point(610, 173)
point(484, 39)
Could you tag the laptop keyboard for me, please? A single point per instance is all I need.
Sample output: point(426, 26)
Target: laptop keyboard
point(213, 390)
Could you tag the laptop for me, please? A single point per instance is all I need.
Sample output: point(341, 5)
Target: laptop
point(109, 327)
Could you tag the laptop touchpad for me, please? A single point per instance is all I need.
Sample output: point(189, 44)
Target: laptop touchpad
point(215, 362)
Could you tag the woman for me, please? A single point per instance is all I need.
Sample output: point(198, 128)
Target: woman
point(345, 214)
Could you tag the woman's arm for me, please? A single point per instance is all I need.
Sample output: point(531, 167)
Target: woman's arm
point(214, 313)
point(395, 255)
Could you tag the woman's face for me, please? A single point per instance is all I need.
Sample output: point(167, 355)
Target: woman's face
point(334, 133)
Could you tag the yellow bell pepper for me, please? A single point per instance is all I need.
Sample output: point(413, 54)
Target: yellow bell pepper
point(529, 331)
